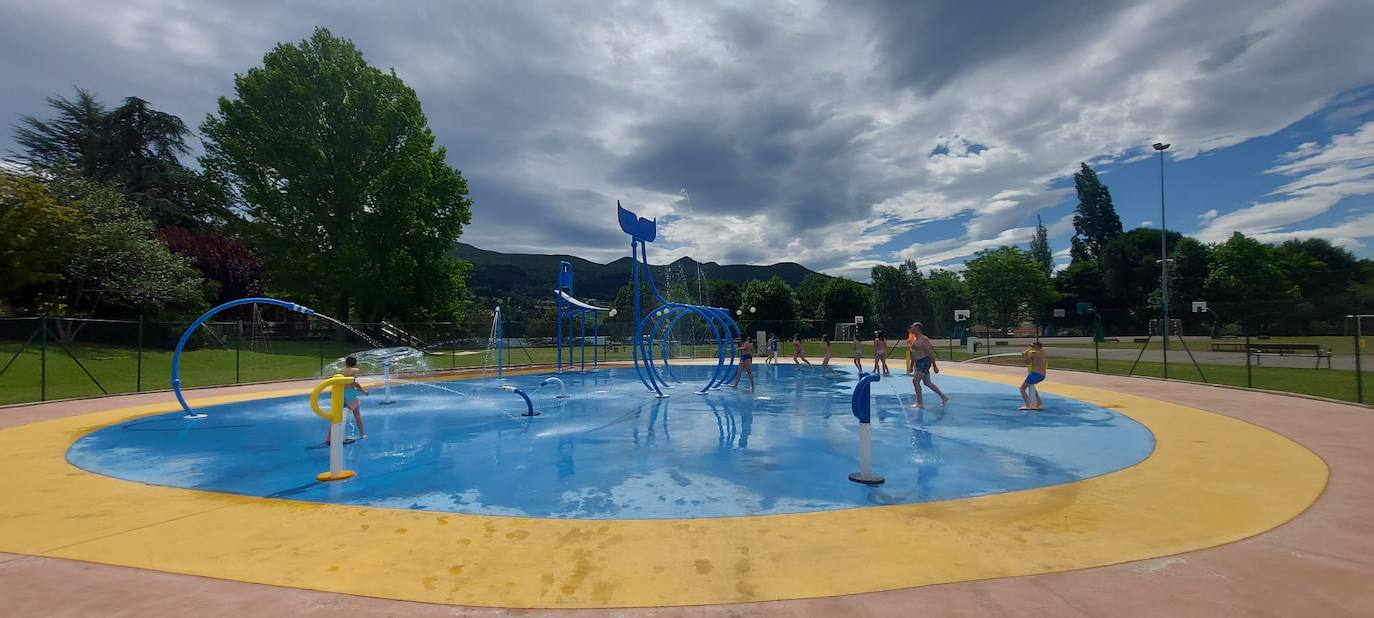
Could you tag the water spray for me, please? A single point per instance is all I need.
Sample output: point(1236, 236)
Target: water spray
point(562, 389)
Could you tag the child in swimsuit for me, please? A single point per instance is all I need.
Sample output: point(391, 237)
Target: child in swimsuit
point(825, 362)
point(797, 353)
point(1037, 365)
point(858, 352)
point(924, 364)
point(746, 363)
point(880, 352)
point(350, 398)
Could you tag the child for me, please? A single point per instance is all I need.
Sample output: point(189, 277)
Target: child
point(858, 352)
point(746, 363)
point(825, 362)
point(797, 353)
point(880, 352)
point(910, 348)
point(923, 362)
point(772, 349)
point(1037, 365)
point(350, 398)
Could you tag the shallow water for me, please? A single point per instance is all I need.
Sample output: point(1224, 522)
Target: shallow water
point(612, 451)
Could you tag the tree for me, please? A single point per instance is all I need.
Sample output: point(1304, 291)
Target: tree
point(843, 299)
point(1006, 285)
point(1130, 265)
point(1246, 275)
point(118, 266)
point(948, 293)
point(1096, 222)
point(809, 294)
point(900, 296)
point(1040, 248)
point(133, 146)
point(723, 293)
point(38, 239)
point(224, 261)
point(344, 195)
point(773, 301)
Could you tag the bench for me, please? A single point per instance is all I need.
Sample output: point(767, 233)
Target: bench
point(1291, 349)
point(1228, 347)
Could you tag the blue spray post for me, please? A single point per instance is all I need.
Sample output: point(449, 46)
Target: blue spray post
point(571, 310)
point(860, 405)
point(186, 336)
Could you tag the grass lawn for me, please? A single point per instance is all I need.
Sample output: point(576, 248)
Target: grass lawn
point(118, 368)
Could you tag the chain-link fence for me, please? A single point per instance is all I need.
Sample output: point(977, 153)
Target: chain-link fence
point(1290, 347)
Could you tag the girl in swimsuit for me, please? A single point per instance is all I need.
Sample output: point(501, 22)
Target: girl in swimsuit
point(746, 363)
point(880, 352)
point(825, 362)
point(797, 352)
point(858, 352)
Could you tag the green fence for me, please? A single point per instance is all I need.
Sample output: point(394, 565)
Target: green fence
point(47, 358)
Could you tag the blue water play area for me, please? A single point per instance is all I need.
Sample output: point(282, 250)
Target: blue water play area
point(608, 451)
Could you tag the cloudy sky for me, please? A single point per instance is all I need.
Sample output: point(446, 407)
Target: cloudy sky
point(835, 134)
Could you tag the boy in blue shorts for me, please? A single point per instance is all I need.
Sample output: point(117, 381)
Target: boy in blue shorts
point(1037, 365)
point(350, 398)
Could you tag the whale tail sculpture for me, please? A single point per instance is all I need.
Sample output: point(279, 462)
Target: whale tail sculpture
point(637, 227)
point(658, 325)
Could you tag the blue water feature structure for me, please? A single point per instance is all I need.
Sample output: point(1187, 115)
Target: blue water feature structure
point(575, 314)
point(186, 336)
point(655, 329)
point(860, 404)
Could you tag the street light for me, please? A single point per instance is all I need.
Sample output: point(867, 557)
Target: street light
point(1163, 258)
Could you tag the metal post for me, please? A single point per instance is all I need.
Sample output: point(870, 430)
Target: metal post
point(138, 379)
point(238, 344)
point(1097, 358)
point(1249, 375)
point(43, 358)
point(1163, 260)
point(322, 354)
point(1359, 376)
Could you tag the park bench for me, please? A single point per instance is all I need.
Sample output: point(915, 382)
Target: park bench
point(1228, 347)
point(1290, 349)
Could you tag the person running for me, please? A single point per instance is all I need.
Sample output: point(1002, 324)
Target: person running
point(858, 352)
point(923, 362)
point(825, 361)
point(910, 347)
point(880, 352)
point(746, 362)
point(797, 352)
point(350, 398)
point(1037, 366)
point(772, 349)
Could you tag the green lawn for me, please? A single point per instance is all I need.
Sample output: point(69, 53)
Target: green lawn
point(1337, 345)
point(117, 368)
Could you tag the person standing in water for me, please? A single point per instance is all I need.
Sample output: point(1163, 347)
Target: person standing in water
point(858, 351)
point(1037, 366)
point(910, 348)
point(825, 361)
point(797, 352)
point(923, 362)
point(746, 362)
point(350, 398)
point(772, 349)
point(880, 352)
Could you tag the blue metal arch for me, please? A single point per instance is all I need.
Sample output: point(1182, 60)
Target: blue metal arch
point(186, 336)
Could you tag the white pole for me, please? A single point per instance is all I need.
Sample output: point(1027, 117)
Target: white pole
point(865, 450)
point(386, 379)
point(336, 431)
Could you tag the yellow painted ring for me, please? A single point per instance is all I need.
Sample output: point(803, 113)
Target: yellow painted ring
point(1210, 480)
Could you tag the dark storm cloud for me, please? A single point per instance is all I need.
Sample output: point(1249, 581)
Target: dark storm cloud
point(928, 44)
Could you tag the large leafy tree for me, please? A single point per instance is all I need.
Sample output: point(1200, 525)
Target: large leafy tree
point(1006, 285)
point(1246, 275)
point(132, 146)
point(948, 293)
point(843, 299)
point(900, 296)
point(723, 293)
point(1096, 222)
point(1040, 248)
point(774, 303)
point(809, 294)
point(343, 192)
point(39, 236)
point(223, 261)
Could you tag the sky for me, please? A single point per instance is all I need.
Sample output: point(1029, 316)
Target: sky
point(835, 134)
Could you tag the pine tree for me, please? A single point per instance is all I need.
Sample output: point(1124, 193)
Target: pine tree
point(1096, 222)
point(1040, 248)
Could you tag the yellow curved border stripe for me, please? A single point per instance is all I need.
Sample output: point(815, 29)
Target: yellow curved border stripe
point(1210, 480)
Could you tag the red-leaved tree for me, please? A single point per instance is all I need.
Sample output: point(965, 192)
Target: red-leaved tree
point(219, 259)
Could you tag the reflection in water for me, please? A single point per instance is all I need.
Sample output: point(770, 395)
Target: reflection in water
point(610, 451)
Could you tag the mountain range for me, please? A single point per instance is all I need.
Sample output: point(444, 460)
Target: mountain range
point(496, 274)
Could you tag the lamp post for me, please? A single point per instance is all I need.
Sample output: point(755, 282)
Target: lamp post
point(1163, 259)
